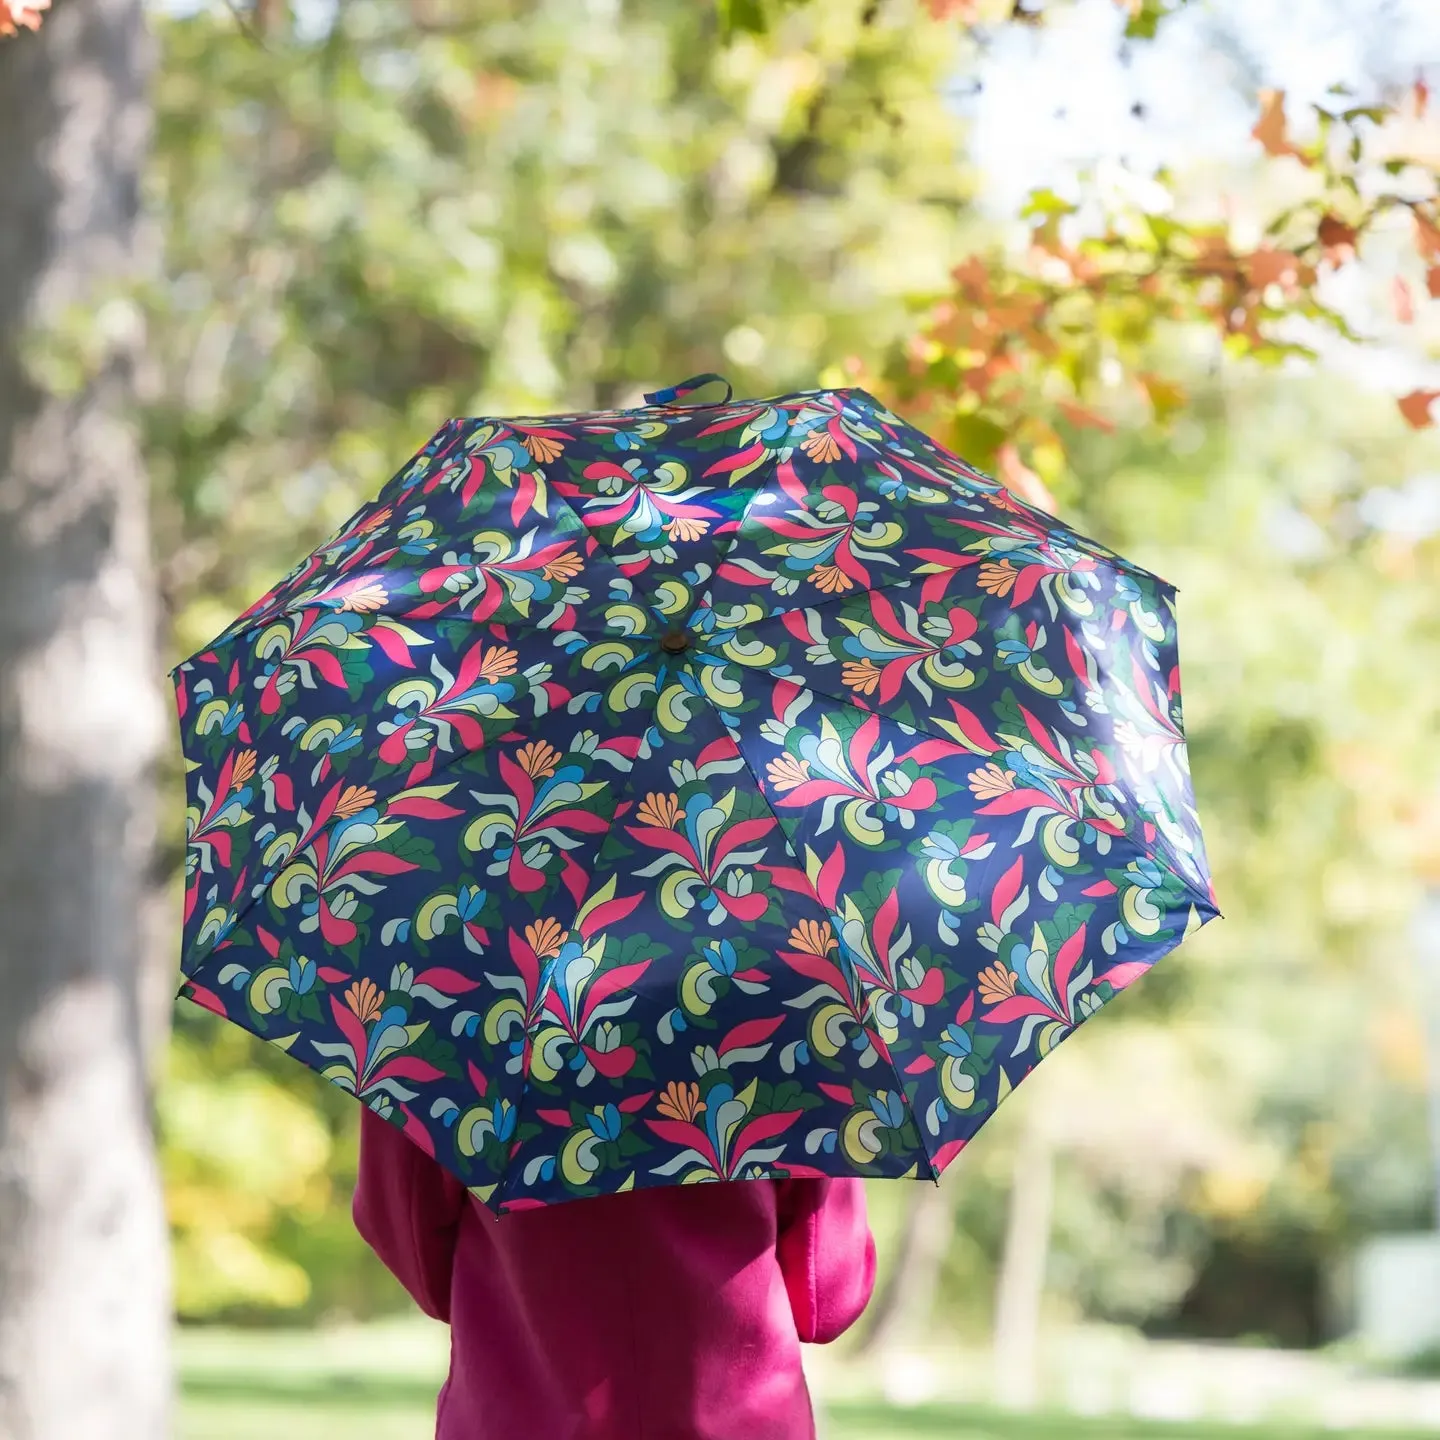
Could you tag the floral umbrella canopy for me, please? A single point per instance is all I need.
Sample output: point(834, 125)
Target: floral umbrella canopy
point(684, 793)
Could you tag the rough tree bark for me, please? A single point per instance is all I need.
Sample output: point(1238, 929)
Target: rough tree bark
point(84, 1294)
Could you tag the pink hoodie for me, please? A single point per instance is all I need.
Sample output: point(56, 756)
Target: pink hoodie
point(661, 1314)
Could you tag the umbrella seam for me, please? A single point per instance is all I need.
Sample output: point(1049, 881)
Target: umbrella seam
point(784, 835)
point(501, 1183)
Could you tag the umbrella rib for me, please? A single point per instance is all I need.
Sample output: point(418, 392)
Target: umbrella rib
point(721, 557)
point(799, 864)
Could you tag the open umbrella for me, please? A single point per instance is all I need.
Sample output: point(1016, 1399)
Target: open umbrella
point(687, 792)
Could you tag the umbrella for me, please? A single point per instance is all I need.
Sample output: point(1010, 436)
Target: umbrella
point(690, 792)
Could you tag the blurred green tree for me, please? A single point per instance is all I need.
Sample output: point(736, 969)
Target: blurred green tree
point(377, 216)
point(409, 212)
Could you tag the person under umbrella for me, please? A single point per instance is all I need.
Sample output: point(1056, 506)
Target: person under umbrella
point(750, 792)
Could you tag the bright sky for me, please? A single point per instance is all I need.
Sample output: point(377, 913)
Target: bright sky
point(1060, 96)
point(1057, 100)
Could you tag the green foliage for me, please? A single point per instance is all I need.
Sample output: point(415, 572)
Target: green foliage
point(259, 1158)
point(436, 209)
point(411, 217)
point(556, 207)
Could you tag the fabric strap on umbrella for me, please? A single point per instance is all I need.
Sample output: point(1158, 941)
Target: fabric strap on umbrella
point(688, 387)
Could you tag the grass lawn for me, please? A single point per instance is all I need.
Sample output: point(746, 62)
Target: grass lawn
point(380, 1384)
point(931, 1422)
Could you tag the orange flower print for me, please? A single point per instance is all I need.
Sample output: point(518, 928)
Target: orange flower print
point(244, 768)
point(364, 598)
point(374, 522)
point(990, 781)
point(365, 1000)
point(831, 579)
point(354, 799)
point(545, 937)
point(820, 446)
point(543, 448)
point(538, 758)
point(813, 937)
point(682, 528)
point(998, 578)
point(787, 771)
point(861, 675)
point(563, 567)
point(680, 1102)
point(500, 662)
point(996, 984)
point(661, 811)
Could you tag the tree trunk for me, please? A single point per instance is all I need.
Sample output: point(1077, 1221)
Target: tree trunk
point(84, 1294)
point(907, 1300)
point(1021, 1286)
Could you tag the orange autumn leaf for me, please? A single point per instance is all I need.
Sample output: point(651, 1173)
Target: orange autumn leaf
point(1432, 281)
point(1271, 130)
point(972, 279)
point(565, 566)
point(1273, 267)
point(821, 447)
point(1079, 415)
point(1415, 407)
point(16, 15)
point(367, 596)
point(1427, 236)
point(990, 782)
point(1337, 239)
point(953, 9)
point(1402, 300)
point(1022, 479)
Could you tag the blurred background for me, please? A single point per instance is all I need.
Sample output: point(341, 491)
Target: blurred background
point(1168, 269)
